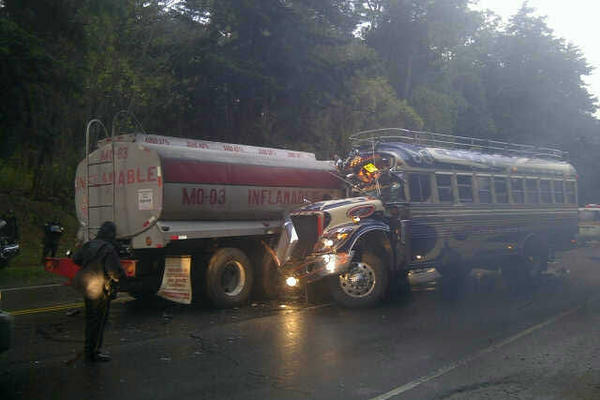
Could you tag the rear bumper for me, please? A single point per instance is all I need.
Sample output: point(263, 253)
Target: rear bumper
point(67, 268)
point(317, 266)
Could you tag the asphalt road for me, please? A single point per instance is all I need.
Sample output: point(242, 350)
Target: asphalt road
point(488, 341)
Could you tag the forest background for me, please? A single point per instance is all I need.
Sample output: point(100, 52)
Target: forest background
point(301, 74)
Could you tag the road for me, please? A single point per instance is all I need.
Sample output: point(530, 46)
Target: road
point(489, 341)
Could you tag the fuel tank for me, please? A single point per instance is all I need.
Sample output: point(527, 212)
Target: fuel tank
point(138, 179)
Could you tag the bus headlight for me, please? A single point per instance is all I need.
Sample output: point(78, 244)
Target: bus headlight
point(291, 281)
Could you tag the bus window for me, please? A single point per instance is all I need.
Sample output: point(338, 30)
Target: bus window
point(392, 187)
point(559, 195)
point(501, 190)
point(545, 191)
point(444, 187)
point(465, 188)
point(531, 190)
point(485, 194)
point(420, 187)
point(570, 191)
point(516, 186)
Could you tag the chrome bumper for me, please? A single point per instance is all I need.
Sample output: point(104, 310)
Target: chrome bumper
point(317, 266)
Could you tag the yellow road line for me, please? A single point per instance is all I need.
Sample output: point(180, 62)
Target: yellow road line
point(58, 307)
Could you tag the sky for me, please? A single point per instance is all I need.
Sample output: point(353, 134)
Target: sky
point(577, 21)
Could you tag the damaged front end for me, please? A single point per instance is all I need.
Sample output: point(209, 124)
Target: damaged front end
point(317, 240)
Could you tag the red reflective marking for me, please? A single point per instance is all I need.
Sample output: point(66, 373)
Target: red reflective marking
point(174, 237)
point(319, 224)
point(188, 171)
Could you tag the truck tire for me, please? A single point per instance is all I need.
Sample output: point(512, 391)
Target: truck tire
point(363, 285)
point(228, 278)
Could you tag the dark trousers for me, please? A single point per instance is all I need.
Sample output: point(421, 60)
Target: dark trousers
point(49, 250)
point(96, 314)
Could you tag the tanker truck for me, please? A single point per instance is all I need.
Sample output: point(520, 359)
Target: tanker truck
point(194, 216)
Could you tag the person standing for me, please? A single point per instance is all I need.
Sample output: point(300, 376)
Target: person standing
point(97, 280)
point(10, 230)
point(52, 233)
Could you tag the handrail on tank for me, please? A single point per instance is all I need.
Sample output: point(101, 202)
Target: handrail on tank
point(454, 142)
point(88, 151)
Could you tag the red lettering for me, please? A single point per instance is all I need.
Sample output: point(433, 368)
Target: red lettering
point(122, 153)
point(187, 200)
point(286, 197)
point(140, 179)
point(263, 195)
point(253, 197)
point(151, 176)
point(279, 197)
point(130, 176)
point(121, 178)
point(106, 155)
point(196, 197)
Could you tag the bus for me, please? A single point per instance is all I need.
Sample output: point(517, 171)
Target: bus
point(589, 223)
point(421, 200)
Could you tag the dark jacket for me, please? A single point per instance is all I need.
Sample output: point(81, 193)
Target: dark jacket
point(100, 251)
point(100, 268)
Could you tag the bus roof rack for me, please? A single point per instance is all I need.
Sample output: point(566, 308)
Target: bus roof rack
point(443, 140)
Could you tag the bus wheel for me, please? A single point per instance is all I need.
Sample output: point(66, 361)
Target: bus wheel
point(535, 261)
point(268, 282)
point(228, 278)
point(363, 285)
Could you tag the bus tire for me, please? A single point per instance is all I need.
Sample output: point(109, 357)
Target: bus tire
point(534, 260)
point(269, 282)
point(363, 285)
point(228, 278)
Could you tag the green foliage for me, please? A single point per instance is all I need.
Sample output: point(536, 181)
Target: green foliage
point(440, 110)
point(286, 73)
point(14, 179)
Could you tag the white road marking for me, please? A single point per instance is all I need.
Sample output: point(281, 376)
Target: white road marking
point(444, 370)
point(31, 287)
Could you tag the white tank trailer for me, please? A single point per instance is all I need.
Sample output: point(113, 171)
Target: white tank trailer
point(218, 205)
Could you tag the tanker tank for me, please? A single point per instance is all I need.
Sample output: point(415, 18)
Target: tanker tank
point(141, 180)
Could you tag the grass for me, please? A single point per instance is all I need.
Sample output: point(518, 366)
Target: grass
point(26, 276)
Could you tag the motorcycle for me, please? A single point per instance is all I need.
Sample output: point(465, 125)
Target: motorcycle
point(9, 246)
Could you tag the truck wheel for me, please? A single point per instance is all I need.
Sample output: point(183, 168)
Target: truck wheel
point(363, 285)
point(228, 278)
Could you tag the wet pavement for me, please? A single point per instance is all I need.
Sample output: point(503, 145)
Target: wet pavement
point(489, 340)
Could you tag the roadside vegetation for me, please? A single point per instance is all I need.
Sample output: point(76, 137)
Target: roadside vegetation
point(26, 268)
point(301, 74)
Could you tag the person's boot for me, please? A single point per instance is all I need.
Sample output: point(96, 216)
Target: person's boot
point(101, 357)
point(97, 357)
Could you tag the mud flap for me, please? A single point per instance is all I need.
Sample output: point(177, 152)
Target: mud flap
point(176, 282)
